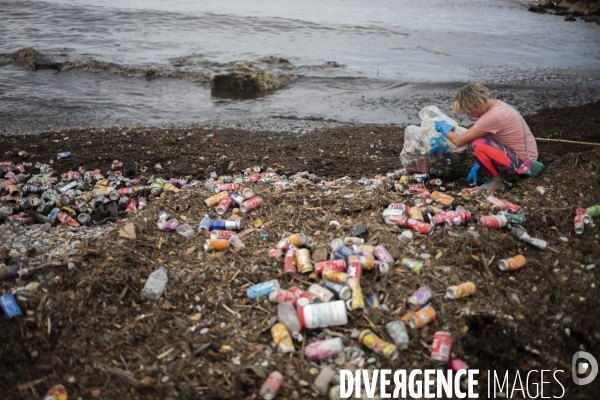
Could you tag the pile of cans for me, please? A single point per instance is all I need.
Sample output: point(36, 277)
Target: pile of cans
point(76, 197)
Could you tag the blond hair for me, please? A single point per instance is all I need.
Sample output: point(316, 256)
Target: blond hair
point(469, 94)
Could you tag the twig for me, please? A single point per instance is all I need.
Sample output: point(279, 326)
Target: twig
point(231, 311)
point(566, 141)
point(134, 252)
point(552, 248)
point(123, 375)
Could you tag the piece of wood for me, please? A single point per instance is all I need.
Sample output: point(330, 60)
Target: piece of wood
point(567, 141)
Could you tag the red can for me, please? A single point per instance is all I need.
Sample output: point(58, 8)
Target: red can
point(251, 204)
point(459, 218)
point(418, 226)
point(226, 187)
point(279, 295)
point(304, 298)
point(512, 208)
point(125, 191)
point(425, 194)
point(290, 262)
point(355, 269)
point(399, 220)
point(497, 203)
point(254, 177)
point(336, 265)
point(218, 234)
point(438, 219)
point(584, 214)
point(493, 221)
point(399, 206)
point(440, 349)
point(131, 206)
point(269, 389)
point(578, 224)
point(224, 205)
point(417, 188)
point(275, 253)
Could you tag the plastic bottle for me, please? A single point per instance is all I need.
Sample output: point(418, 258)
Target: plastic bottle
point(286, 312)
point(155, 285)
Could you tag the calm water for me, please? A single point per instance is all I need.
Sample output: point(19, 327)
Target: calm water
point(395, 56)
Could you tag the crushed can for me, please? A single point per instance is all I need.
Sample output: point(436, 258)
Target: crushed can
point(413, 265)
point(493, 221)
point(304, 298)
point(262, 289)
point(510, 264)
point(460, 291)
point(357, 301)
point(325, 295)
point(342, 292)
point(398, 334)
point(279, 295)
point(216, 244)
point(282, 337)
point(289, 266)
point(378, 345)
point(216, 199)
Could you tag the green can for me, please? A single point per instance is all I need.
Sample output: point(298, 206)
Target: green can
point(414, 265)
point(160, 181)
point(594, 211)
point(515, 218)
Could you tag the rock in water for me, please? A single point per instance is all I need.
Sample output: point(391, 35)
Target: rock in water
point(244, 78)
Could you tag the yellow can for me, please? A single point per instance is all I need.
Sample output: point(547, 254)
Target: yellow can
point(168, 187)
point(378, 345)
point(303, 262)
point(460, 291)
point(334, 276)
point(416, 214)
point(282, 337)
point(297, 239)
point(216, 199)
point(357, 301)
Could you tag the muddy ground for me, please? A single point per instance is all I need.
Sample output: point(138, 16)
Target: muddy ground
point(100, 338)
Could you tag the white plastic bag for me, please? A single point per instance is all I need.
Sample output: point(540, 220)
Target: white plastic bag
point(429, 115)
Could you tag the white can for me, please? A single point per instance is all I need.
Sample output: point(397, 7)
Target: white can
point(322, 315)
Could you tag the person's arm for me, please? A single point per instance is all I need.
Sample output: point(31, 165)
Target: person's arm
point(462, 140)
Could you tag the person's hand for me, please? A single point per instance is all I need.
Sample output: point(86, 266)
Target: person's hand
point(443, 127)
point(472, 177)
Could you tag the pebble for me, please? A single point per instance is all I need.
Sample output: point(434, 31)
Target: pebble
point(590, 267)
point(303, 383)
point(424, 256)
point(371, 360)
point(340, 360)
point(313, 371)
point(70, 265)
point(203, 331)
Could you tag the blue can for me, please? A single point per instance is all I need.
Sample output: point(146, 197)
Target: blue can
point(343, 252)
point(237, 198)
point(9, 306)
point(229, 225)
point(34, 189)
point(262, 289)
point(373, 302)
point(205, 224)
point(53, 214)
point(64, 155)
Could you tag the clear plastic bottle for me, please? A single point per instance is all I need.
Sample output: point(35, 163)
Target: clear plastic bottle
point(155, 285)
point(286, 312)
point(185, 230)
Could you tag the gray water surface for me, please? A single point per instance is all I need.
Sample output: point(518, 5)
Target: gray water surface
point(395, 56)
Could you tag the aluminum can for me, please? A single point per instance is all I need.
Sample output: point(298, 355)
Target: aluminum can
point(297, 239)
point(414, 265)
point(237, 198)
point(304, 298)
point(497, 203)
point(216, 244)
point(378, 345)
point(425, 194)
point(440, 349)
point(303, 262)
point(336, 265)
point(205, 224)
point(289, 266)
point(252, 178)
point(417, 188)
point(460, 291)
point(357, 301)
point(342, 252)
point(578, 224)
point(251, 204)
point(514, 218)
point(64, 154)
point(216, 199)
point(224, 205)
point(282, 337)
point(169, 225)
point(383, 255)
point(398, 334)
point(365, 261)
point(125, 191)
point(56, 392)
point(457, 364)
point(493, 221)
point(54, 213)
point(420, 298)
point(262, 289)
point(387, 212)
point(512, 208)
point(584, 214)
point(424, 316)
point(279, 295)
point(324, 348)
point(131, 206)
point(399, 206)
point(435, 182)
point(442, 198)
point(277, 254)
point(226, 187)
point(362, 249)
point(354, 269)
point(218, 234)
point(282, 185)
point(398, 220)
point(342, 292)
point(163, 215)
point(439, 219)
point(458, 219)
point(325, 295)
point(9, 305)
point(269, 389)
point(142, 203)
point(229, 225)
point(372, 302)
point(323, 315)
point(416, 214)
point(335, 276)
point(349, 241)
point(84, 219)
point(510, 264)
point(34, 189)
point(248, 193)
point(418, 226)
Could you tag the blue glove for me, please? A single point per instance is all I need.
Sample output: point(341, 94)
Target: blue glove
point(472, 178)
point(443, 127)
